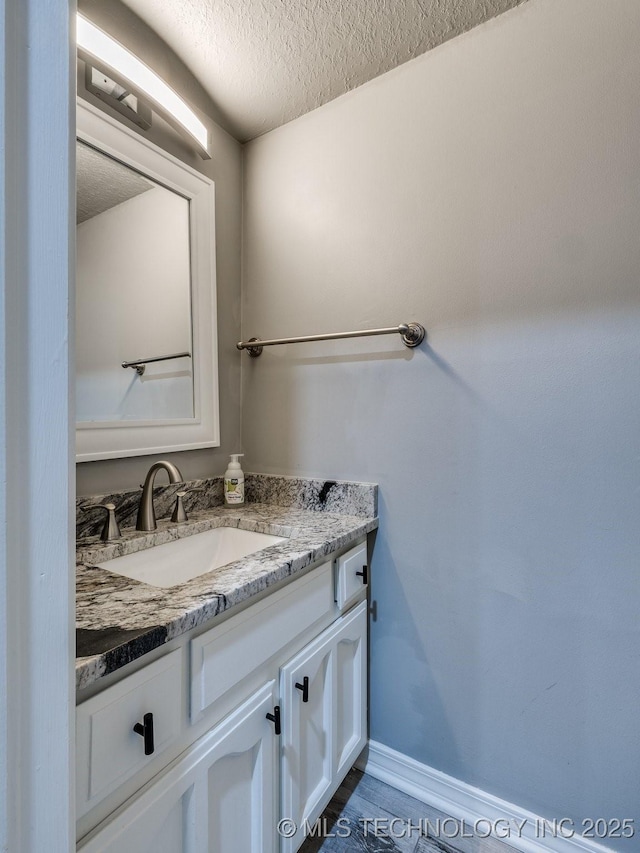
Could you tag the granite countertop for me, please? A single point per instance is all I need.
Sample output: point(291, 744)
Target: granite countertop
point(119, 620)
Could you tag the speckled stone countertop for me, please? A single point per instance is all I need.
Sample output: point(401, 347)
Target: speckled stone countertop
point(119, 620)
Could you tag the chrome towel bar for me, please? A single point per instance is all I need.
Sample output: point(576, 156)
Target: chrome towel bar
point(412, 335)
point(138, 364)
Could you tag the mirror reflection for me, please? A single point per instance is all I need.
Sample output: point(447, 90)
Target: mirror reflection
point(133, 295)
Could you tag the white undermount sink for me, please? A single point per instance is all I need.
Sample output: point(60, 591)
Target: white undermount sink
point(179, 561)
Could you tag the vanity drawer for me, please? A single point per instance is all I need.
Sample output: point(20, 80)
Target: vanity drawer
point(109, 751)
point(223, 656)
point(351, 574)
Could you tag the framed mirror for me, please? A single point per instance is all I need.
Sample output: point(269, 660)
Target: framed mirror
point(146, 345)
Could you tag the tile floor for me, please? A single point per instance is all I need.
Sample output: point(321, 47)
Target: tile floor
point(404, 825)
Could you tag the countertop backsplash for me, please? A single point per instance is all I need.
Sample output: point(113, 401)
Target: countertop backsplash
point(337, 497)
point(89, 523)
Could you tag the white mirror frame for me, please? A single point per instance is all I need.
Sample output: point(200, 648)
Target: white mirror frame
point(116, 439)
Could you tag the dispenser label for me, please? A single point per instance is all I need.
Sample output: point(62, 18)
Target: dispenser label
point(234, 491)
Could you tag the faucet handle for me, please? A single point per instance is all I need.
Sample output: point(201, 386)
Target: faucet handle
point(179, 512)
point(111, 529)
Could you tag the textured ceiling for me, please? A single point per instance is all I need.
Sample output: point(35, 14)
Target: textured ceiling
point(103, 183)
point(265, 62)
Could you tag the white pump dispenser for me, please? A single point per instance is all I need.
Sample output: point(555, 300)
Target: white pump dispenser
point(234, 482)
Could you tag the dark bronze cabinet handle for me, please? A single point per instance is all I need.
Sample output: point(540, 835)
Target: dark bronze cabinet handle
point(304, 687)
point(364, 574)
point(145, 730)
point(275, 719)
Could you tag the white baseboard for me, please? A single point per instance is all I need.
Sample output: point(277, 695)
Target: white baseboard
point(471, 805)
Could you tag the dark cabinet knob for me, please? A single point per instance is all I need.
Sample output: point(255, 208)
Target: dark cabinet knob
point(364, 574)
point(145, 730)
point(304, 687)
point(275, 719)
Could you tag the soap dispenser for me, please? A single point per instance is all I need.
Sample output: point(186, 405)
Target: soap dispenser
point(234, 482)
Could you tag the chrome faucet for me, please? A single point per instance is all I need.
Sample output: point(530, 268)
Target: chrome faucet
point(146, 514)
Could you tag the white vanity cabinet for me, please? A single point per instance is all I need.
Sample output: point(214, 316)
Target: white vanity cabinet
point(237, 746)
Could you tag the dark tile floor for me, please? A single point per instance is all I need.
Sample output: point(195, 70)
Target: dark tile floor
point(367, 816)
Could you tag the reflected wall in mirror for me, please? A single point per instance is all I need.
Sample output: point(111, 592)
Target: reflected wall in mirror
point(133, 294)
point(145, 293)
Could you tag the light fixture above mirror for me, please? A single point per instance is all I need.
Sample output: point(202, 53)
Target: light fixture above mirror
point(135, 81)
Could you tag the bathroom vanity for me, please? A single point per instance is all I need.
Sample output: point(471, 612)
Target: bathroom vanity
point(224, 712)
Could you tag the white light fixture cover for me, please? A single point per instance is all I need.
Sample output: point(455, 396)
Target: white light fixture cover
point(106, 50)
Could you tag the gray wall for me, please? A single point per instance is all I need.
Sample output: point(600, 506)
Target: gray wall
point(491, 190)
point(225, 168)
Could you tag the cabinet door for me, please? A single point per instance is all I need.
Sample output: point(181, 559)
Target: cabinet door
point(242, 781)
point(307, 735)
point(322, 736)
point(350, 727)
point(109, 751)
point(219, 797)
point(352, 573)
